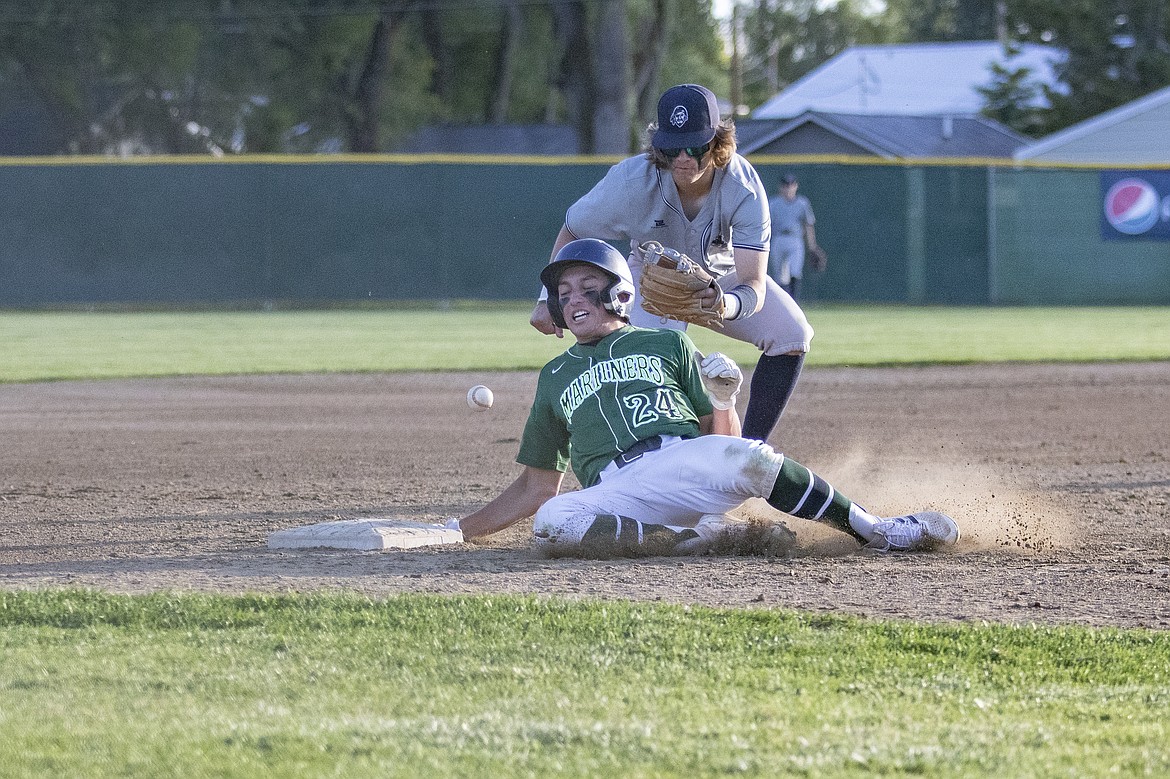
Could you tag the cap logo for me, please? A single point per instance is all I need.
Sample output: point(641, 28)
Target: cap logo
point(679, 116)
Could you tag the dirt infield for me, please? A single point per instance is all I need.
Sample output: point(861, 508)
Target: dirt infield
point(1059, 476)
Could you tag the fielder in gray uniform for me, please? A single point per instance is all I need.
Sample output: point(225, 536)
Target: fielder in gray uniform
point(792, 227)
point(692, 192)
point(650, 429)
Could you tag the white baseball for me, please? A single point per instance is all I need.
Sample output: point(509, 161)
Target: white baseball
point(480, 398)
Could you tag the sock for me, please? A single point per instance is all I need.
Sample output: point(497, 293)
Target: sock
point(802, 493)
point(862, 522)
point(773, 381)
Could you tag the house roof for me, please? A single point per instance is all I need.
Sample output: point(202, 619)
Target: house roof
point(1104, 121)
point(918, 78)
point(892, 136)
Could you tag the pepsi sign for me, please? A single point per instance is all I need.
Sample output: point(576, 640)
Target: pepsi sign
point(1135, 205)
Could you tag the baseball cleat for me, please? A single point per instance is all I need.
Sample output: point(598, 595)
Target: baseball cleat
point(914, 533)
point(709, 528)
point(719, 534)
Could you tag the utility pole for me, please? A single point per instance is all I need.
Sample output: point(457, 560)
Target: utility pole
point(736, 62)
point(771, 42)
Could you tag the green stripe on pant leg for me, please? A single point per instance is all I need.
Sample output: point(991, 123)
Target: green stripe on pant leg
point(611, 535)
point(662, 540)
point(602, 532)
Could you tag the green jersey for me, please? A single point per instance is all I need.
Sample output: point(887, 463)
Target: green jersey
point(594, 402)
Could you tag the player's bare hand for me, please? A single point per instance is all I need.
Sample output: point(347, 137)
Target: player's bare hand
point(541, 319)
point(722, 379)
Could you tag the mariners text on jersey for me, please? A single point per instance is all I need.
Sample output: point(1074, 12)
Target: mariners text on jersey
point(646, 367)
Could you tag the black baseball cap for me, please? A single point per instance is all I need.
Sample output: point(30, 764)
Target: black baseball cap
point(688, 115)
point(787, 178)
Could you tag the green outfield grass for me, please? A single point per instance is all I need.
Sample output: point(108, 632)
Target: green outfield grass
point(338, 685)
point(104, 344)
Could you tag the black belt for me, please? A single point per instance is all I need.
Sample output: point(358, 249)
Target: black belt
point(787, 232)
point(635, 452)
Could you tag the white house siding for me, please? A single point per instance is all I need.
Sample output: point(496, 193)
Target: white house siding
point(1139, 140)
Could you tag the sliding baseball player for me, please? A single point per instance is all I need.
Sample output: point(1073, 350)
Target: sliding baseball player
point(651, 431)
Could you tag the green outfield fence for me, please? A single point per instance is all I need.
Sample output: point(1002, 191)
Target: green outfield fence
point(389, 227)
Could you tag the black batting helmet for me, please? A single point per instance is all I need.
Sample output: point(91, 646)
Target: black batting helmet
point(617, 297)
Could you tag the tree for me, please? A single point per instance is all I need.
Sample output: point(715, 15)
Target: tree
point(944, 20)
point(363, 115)
point(512, 34)
point(613, 96)
point(223, 76)
point(653, 27)
point(352, 77)
point(1117, 51)
point(114, 76)
point(616, 57)
point(788, 38)
point(1012, 98)
point(491, 62)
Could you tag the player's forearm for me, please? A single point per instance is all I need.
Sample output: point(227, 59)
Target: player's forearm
point(751, 268)
point(501, 513)
point(721, 422)
point(563, 237)
point(518, 501)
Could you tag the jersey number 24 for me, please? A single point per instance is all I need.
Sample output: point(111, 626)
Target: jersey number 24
point(647, 409)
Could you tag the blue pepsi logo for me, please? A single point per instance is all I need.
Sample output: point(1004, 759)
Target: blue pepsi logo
point(1132, 206)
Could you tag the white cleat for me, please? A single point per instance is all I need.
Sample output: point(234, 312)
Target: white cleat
point(914, 533)
point(709, 528)
point(719, 534)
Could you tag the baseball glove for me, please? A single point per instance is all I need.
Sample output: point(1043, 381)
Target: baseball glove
point(672, 284)
point(818, 260)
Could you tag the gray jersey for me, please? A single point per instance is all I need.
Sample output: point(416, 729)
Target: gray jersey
point(790, 216)
point(638, 202)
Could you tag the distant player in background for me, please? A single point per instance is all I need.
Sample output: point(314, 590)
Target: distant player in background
point(690, 191)
point(792, 228)
point(650, 429)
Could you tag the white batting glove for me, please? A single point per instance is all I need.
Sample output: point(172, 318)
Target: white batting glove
point(722, 379)
point(453, 524)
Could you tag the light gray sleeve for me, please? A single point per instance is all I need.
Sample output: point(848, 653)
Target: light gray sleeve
point(751, 222)
point(604, 211)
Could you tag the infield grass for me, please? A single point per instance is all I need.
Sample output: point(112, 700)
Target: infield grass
point(55, 345)
point(313, 685)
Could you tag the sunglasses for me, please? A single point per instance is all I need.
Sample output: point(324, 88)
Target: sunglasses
point(694, 151)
